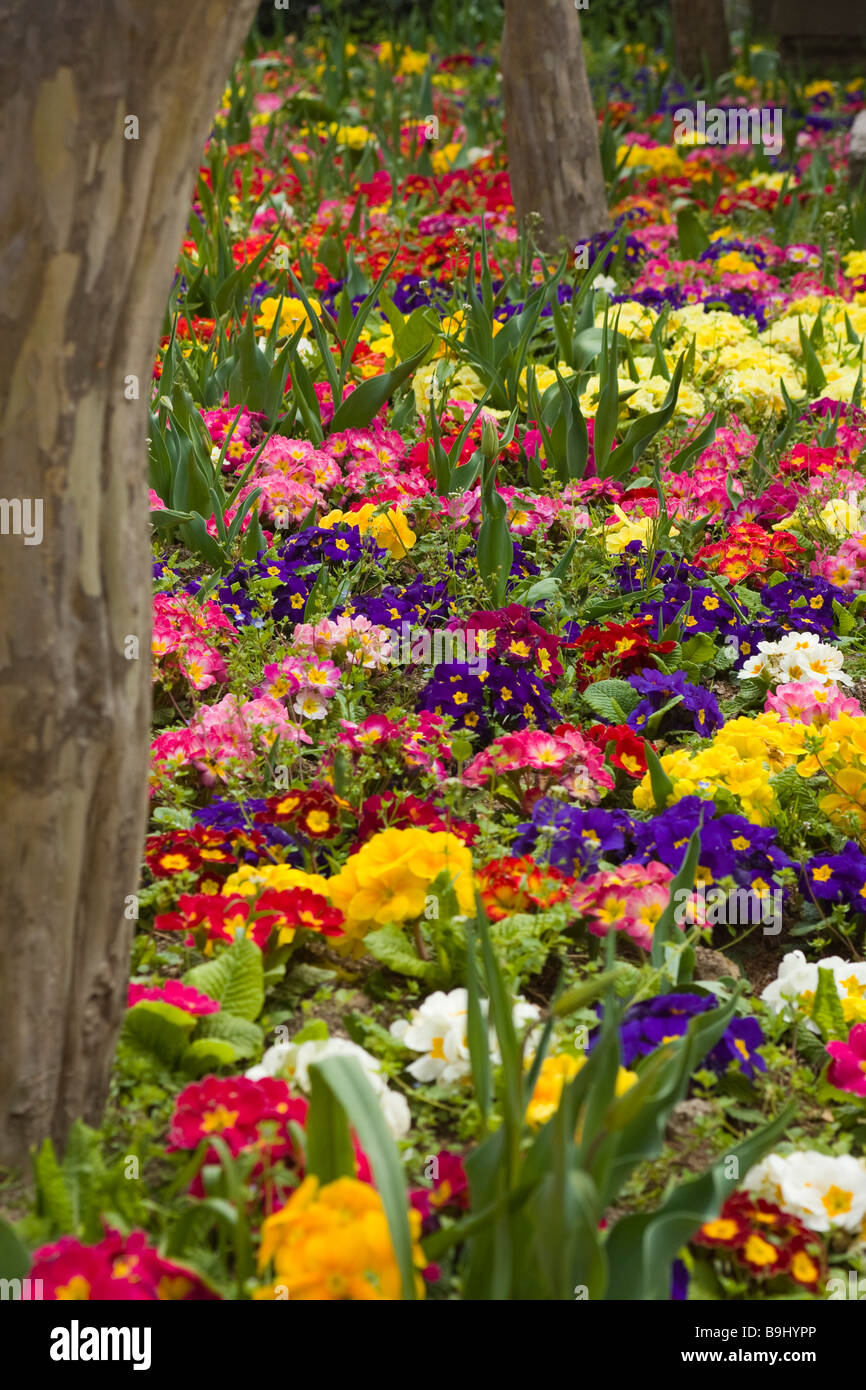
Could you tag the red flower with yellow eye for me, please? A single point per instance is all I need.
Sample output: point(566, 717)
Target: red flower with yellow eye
point(766, 1241)
point(312, 811)
point(299, 909)
point(621, 746)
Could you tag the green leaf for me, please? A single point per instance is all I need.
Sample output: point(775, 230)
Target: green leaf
point(330, 1154)
point(352, 1089)
point(234, 978)
point(52, 1196)
point(204, 1054)
point(600, 697)
point(159, 1028)
point(815, 378)
point(666, 929)
point(358, 409)
point(246, 1037)
point(691, 236)
point(827, 1007)
point(661, 784)
point(14, 1259)
point(391, 946)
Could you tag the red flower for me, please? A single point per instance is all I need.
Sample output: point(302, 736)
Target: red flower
point(380, 812)
point(519, 885)
point(615, 649)
point(621, 746)
point(117, 1268)
point(299, 909)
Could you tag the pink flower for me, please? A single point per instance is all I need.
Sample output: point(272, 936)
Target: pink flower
point(848, 1068)
point(564, 757)
point(805, 703)
point(192, 1001)
point(630, 899)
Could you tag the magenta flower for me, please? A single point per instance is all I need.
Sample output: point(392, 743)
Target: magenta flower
point(848, 1067)
point(192, 1001)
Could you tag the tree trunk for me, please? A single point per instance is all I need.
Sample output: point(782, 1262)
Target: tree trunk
point(90, 222)
point(553, 158)
point(700, 36)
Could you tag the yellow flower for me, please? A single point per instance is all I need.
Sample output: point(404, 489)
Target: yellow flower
point(855, 264)
point(389, 879)
point(389, 529)
point(626, 529)
point(454, 383)
point(555, 1074)
point(292, 315)
point(332, 1243)
point(251, 879)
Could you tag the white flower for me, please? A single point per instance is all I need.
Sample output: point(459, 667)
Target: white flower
point(437, 1029)
point(798, 656)
point(825, 1192)
point(792, 992)
point(306, 351)
point(292, 1061)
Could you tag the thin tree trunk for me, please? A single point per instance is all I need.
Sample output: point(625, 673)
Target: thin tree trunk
point(700, 36)
point(553, 157)
point(90, 222)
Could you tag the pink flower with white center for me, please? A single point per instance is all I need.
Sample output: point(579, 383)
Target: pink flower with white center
point(164, 640)
point(630, 898)
point(463, 509)
point(318, 639)
point(267, 717)
point(563, 757)
point(281, 451)
point(325, 473)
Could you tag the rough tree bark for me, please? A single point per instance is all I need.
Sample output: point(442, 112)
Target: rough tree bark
point(90, 222)
point(553, 158)
point(700, 35)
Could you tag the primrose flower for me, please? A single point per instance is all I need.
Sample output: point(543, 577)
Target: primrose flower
point(848, 1068)
point(292, 1061)
point(808, 703)
point(292, 315)
point(437, 1029)
point(333, 1243)
point(792, 993)
point(389, 528)
point(555, 1074)
point(391, 876)
point(824, 1191)
point(116, 1269)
